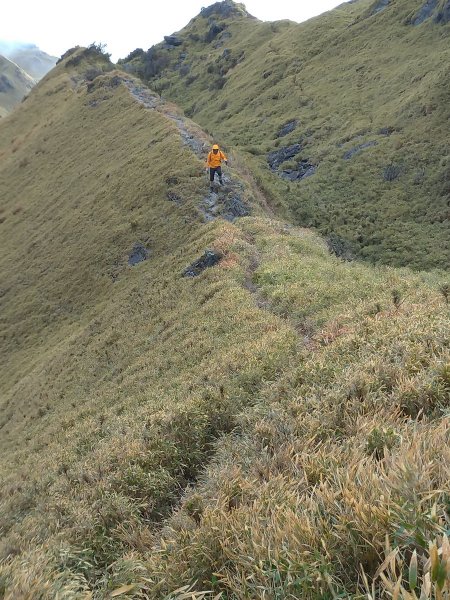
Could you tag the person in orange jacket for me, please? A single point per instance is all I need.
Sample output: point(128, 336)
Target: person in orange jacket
point(214, 163)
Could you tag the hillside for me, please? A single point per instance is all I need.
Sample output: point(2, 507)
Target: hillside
point(14, 85)
point(32, 59)
point(344, 118)
point(196, 398)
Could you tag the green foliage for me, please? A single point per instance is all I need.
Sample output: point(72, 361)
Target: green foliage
point(380, 440)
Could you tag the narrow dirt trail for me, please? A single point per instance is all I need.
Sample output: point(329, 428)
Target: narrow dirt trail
point(226, 202)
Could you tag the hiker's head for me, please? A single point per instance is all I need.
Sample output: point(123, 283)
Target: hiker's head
point(215, 148)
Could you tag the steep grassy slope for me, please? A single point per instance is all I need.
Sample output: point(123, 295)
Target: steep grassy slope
point(364, 90)
point(14, 85)
point(32, 60)
point(253, 432)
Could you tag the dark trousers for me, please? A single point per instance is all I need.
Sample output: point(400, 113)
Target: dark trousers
point(213, 171)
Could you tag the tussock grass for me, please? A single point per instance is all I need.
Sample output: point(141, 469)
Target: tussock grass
point(254, 432)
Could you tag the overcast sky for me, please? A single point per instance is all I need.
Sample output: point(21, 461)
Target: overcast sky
point(56, 26)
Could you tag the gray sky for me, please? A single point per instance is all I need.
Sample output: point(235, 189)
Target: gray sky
point(56, 26)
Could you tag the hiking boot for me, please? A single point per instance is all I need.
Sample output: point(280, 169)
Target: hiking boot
point(221, 182)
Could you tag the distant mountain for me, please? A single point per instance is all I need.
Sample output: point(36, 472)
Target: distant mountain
point(15, 83)
point(32, 60)
point(21, 66)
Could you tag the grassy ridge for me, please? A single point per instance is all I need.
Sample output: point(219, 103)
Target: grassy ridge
point(348, 78)
point(292, 408)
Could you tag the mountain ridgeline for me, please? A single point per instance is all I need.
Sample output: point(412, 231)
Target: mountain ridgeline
point(21, 66)
point(198, 399)
point(344, 118)
point(14, 85)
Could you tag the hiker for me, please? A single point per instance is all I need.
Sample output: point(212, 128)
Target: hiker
point(213, 162)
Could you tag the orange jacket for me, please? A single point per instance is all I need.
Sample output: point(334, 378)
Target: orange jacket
point(215, 160)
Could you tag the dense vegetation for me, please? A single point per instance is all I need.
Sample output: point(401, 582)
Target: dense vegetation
point(276, 427)
point(366, 89)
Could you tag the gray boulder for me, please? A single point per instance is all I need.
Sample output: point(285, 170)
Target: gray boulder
point(138, 254)
point(172, 40)
point(287, 128)
point(208, 259)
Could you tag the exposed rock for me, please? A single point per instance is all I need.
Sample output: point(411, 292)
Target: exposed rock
point(443, 16)
point(173, 197)
point(425, 12)
point(235, 207)
point(208, 259)
point(209, 206)
point(226, 9)
point(304, 169)
point(287, 128)
point(379, 6)
point(138, 254)
point(351, 153)
point(213, 32)
point(386, 131)
point(172, 40)
point(277, 157)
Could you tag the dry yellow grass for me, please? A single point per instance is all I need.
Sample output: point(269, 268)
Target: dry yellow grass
point(255, 432)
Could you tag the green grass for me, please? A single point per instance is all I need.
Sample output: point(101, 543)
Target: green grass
point(345, 76)
point(255, 432)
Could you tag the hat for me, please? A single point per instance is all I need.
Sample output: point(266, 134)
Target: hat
point(215, 147)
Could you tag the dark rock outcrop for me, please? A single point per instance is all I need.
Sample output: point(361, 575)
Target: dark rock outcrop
point(379, 6)
point(277, 157)
point(213, 32)
point(225, 9)
point(303, 170)
point(443, 15)
point(138, 254)
point(172, 40)
point(287, 128)
point(208, 259)
point(425, 12)
point(173, 197)
point(235, 207)
point(351, 153)
point(387, 131)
